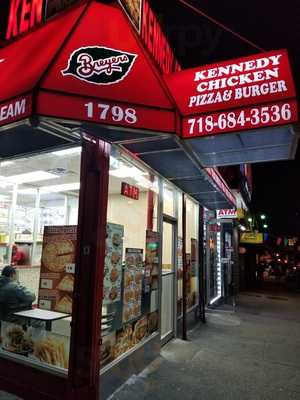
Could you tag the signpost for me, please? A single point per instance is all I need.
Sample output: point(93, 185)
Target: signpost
point(252, 238)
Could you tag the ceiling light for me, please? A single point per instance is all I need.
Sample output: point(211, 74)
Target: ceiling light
point(66, 152)
point(29, 177)
point(60, 188)
point(28, 191)
point(5, 163)
point(127, 172)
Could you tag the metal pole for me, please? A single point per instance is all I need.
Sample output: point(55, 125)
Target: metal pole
point(201, 266)
point(12, 222)
point(184, 305)
point(35, 225)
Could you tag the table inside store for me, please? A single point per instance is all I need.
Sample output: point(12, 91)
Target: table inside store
point(42, 315)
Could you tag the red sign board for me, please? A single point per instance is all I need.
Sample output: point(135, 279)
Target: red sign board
point(104, 112)
point(21, 16)
point(15, 110)
point(130, 191)
point(156, 41)
point(240, 119)
point(221, 184)
point(257, 79)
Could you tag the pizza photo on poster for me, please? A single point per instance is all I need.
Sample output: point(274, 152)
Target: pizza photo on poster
point(58, 268)
point(133, 9)
point(133, 279)
point(113, 263)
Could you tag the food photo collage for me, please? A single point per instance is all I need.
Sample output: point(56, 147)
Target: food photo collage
point(128, 294)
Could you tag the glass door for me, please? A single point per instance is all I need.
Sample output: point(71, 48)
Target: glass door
point(168, 280)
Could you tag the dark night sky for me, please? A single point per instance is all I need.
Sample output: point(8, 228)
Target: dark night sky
point(271, 25)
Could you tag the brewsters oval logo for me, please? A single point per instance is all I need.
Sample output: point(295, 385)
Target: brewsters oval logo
point(99, 65)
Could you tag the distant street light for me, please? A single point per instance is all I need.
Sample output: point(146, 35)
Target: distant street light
point(265, 226)
point(263, 217)
point(250, 219)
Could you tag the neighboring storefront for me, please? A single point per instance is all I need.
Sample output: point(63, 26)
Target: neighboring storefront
point(221, 256)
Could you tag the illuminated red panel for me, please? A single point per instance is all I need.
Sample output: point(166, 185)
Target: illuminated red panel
point(23, 15)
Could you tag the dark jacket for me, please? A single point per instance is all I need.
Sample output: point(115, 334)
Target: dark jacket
point(13, 298)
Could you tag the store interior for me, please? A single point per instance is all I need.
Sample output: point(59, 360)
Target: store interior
point(43, 191)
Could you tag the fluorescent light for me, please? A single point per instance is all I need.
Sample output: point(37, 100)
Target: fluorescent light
point(3, 183)
point(66, 152)
point(60, 188)
point(28, 191)
point(6, 163)
point(215, 299)
point(127, 172)
point(34, 176)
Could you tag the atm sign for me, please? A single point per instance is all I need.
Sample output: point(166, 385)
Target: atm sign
point(231, 213)
point(130, 191)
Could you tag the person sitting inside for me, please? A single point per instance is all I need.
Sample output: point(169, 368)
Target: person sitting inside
point(13, 296)
point(18, 256)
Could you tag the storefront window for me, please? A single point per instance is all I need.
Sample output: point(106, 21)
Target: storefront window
point(38, 218)
point(179, 258)
point(131, 298)
point(169, 199)
point(192, 257)
point(7, 193)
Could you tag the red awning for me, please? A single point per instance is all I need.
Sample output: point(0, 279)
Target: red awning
point(87, 65)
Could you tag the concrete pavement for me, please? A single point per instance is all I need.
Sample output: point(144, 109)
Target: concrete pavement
point(250, 354)
point(253, 353)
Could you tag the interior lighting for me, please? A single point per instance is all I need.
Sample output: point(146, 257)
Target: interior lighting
point(67, 152)
point(6, 163)
point(28, 191)
point(29, 177)
point(127, 172)
point(60, 188)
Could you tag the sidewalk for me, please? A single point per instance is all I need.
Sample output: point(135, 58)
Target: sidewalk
point(251, 354)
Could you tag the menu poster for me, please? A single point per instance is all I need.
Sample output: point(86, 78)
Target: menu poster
point(113, 263)
point(152, 258)
point(194, 248)
point(153, 319)
point(32, 342)
point(188, 273)
point(179, 257)
point(58, 268)
point(133, 278)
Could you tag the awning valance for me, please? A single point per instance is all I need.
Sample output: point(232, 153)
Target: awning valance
point(81, 67)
